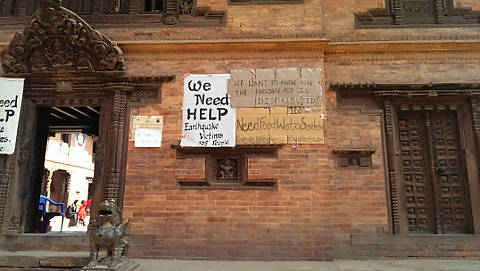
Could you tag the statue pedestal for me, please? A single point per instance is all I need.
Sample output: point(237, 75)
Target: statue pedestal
point(125, 265)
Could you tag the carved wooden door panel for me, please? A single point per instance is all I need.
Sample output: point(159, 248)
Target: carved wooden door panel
point(450, 174)
point(418, 189)
point(434, 174)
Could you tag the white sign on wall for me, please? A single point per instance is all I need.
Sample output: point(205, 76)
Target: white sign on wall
point(11, 91)
point(148, 138)
point(208, 118)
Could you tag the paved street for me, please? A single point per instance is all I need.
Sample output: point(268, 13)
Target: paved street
point(344, 265)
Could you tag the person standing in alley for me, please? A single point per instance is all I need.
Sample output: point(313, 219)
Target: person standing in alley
point(82, 213)
point(71, 214)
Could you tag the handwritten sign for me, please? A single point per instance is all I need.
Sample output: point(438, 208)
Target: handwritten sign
point(10, 105)
point(148, 138)
point(276, 87)
point(280, 125)
point(208, 119)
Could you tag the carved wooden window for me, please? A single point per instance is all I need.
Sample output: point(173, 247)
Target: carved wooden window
point(418, 12)
point(226, 168)
point(429, 178)
point(7, 7)
point(80, 7)
point(169, 12)
point(355, 158)
point(153, 6)
point(263, 2)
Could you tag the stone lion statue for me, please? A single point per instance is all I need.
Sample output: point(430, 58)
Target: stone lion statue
point(107, 231)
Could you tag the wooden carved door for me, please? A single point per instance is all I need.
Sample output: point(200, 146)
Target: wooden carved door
point(435, 183)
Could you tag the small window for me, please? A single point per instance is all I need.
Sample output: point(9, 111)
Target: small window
point(407, 13)
point(65, 138)
point(227, 168)
point(153, 5)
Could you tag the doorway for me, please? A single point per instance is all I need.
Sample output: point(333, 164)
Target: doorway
point(67, 137)
point(435, 187)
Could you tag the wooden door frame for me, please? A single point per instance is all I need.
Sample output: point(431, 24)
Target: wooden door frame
point(80, 67)
point(115, 94)
point(396, 185)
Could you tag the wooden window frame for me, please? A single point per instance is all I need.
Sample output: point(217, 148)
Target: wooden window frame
point(153, 9)
point(444, 14)
point(240, 153)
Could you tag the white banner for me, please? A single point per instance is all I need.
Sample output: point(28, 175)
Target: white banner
point(208, 119)
point(11, 91)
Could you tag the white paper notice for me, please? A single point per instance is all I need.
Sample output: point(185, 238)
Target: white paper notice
point(145, 138)
point(11, 91)
point(208, 118)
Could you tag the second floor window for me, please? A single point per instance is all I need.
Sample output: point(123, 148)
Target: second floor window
point(418, 12)
point(153, 5)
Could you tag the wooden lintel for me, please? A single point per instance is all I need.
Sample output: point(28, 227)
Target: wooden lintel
point(422, 89)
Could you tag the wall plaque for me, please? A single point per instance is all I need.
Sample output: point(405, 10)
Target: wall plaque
point(144, 122)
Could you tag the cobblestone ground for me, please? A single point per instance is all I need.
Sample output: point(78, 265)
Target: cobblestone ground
point(344, 265)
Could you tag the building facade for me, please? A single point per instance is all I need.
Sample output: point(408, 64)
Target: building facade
point(396, 174)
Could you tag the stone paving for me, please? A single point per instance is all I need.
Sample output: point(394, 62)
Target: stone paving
point(341, 265)
point(50, 260)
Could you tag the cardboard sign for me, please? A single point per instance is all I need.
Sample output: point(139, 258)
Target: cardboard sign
point(208, 119)
point(280, 125)
point(10, 106)
point(276, 87)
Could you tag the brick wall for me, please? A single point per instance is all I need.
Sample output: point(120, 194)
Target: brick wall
point(316, 206)
point(334, 19)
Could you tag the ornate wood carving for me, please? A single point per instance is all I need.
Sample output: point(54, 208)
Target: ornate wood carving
point(57, 39)
point(433, 172)
point(127, 11)
point(474, 102)
point(115, 146)
point(394, 200)
point(185, 6)
point(7, 7)
point(388, 118)
point(5, 181)
point(397, 12)
point(14, 224)
point(439, 11)
point(80, 7)
point(68, 78)
point(112, 186)
point(450, 174)
point(417, 12)
point(418, 190)
point(227, 168)
point(410, 90)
